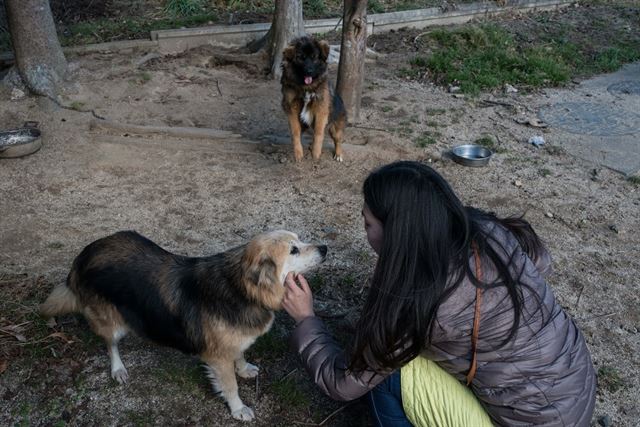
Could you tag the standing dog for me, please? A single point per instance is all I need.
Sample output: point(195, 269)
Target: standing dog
point(307, 97)
point(214, 307)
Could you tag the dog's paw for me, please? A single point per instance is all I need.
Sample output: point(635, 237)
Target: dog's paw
point(337, 158)
point(121, 375)
point(248, 371)
point(243, 414)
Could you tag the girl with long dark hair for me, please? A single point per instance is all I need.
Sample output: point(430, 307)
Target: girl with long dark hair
point(459, 326)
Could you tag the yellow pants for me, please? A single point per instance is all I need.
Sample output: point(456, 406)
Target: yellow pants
point(433, 398)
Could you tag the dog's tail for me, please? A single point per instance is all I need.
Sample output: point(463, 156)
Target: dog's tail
point(62, 300)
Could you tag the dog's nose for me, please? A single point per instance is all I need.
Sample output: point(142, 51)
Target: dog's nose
point(323, 250)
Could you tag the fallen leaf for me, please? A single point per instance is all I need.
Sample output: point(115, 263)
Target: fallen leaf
point(537, 123)
point(3, 365)
point(531, 121)
point(13, 331)
point(62, 336)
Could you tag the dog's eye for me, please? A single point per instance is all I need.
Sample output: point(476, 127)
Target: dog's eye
point(294, 250)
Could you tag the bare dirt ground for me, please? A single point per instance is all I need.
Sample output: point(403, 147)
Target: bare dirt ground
point(201, 196)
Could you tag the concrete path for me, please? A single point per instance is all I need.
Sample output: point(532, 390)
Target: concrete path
point(599, 120)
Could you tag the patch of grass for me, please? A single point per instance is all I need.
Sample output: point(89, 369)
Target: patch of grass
point(289, 394)
point(316, 282)
point(80, 388)
point(374, 6)
point(142, 418)
point(89, 339)
point(435, 111)
point(408, 5)
point(404, 129)
point(54, 407)
point(522, 159)
point(386, 108)
point(486, 57)
point(55, 245)
point(363, 257)
point(488, 142)
point(183, 8)
point(614, 57)
point(256, 6)
point(410, 73)
point(314, 8)
point(549, 53)
point(555, 150)
point(419, 61)
point(188, 377)
point(610, 379)
point(141, 78)
point(24, 415)
point(425, 140)
point(634, 179)
point(544, 172)
point(103, 30)
point(269, 345)
point(349, 280)
point(433, 123)
point(37, 331)
point(76, 105)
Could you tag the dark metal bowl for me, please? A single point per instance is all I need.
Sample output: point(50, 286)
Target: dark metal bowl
point(20, 142)
point(471, 155)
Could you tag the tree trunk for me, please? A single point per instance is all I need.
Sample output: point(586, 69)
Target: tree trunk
point(287, 24)
point(36, 48)
point(352, 55)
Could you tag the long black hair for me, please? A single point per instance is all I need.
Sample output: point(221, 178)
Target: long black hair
point(428, 240)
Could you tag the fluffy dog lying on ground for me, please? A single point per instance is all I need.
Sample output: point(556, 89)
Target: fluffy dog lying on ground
point(307, 97)
point(214, 307)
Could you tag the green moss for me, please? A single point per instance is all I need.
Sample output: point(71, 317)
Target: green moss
point(289, 394)
point(425, 140)
point(609, 378)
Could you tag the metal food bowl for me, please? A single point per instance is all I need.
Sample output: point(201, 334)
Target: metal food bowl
point(471, 155)
point(20, 142)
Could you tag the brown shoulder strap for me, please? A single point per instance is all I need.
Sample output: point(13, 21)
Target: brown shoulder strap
point(476, 317)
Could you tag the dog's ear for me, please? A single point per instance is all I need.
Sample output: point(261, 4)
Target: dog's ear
point(324, 49)
point(288, 53)
point(263, 274)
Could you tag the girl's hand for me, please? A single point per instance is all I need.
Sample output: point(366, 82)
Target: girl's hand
point(298, 299)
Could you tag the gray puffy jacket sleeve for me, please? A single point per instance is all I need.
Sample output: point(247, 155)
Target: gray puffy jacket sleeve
point(326, 363)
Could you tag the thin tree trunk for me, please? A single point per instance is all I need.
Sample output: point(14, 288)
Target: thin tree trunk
point(286, 25)
point(352, 56)
point(36, 48)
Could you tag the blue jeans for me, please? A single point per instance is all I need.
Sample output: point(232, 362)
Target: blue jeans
point(385, 401)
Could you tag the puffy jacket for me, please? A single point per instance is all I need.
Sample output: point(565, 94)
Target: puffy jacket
point(543, 376)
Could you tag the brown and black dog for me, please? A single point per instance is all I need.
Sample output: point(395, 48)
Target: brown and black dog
point(308, 98)
point(214, 307)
